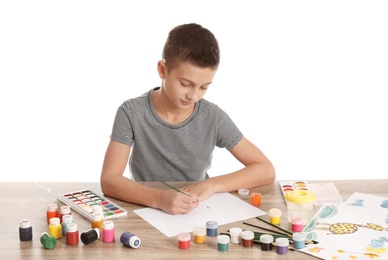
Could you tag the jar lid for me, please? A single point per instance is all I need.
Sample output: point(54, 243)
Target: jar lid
point(282, 241)
point(223, 239)
point(235, 231)
point(300, 196)
point(267, 239)
point(247, 235)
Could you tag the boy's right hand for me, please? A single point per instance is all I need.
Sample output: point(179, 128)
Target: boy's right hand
point(175, 203)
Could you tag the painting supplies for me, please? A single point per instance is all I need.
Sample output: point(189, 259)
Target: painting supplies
point(275, 226)
point(211, 228)
point(184, 240)
point(199, 235)
point(72, 237)
point(298, 240)
point(223, 243)
point(25, 230)
point(52, 212)
point(296, 224)
point(90, 235)
point(235, 235)
point(55, 228)
point(48, 241)
point(247, 237)
point(97, 221)
point(171, 187)
point(256, 199)
point(266, 242)
point(108, 231)
point(275, 216)
point(269, 230)
point(130, 240)
point(66, 219)
point(300, 203)
point(282, 244)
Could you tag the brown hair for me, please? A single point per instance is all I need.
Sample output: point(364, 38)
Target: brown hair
point(192, 43)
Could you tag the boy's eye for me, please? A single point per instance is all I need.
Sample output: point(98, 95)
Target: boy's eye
point(185, 84)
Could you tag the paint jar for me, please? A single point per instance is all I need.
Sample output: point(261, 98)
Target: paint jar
point(25, 230)
point(247, 238)
point(64, 210)
point(96, 208)
point(199, 235)
point(90, 236)
point(130, 240)
point(223, 243)
point(72, 237)
point(282, 245)
point(296, 224)
point(256, 199)
point(266, 242)
point(97, 221)
point(184, 240)
point(66, 219)
point(235, 235)
point(275, 216)
point(108, 231)
point(300, 203)
point(52, 212)
point(243, 192)
point(48, 241)
point(211, 228)
point(299, 240)
point(55, 228)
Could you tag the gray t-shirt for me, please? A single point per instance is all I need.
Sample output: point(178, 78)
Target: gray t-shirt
point(181, 152)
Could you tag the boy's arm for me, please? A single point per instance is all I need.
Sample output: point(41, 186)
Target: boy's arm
point(116, 185)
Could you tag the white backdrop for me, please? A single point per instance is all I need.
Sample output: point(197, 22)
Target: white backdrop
point(304, 80)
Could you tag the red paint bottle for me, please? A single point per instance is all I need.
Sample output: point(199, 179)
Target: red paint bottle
point(72, 237)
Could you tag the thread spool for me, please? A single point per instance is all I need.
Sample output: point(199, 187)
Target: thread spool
point(247, 238)
point(130, 240)
point(274, 216)
point(90, 235)
point(55, 228)
point(52, 212)
point(299, 240)
point(184, 240)
point(199, 235)
point(211, 228)
point(235, 235)
point(256, 199)
point(223, 243)
point(296, 224)
point(282, 245)
point(266, 242)
point(108, 231)
point(48, 241)
point(66, 219)
point(25, 230)
point(72, 237)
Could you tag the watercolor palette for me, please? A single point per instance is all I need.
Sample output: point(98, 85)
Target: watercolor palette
point(83, 200)
point(293, 185)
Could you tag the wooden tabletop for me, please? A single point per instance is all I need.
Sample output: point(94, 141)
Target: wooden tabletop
point(26, 200)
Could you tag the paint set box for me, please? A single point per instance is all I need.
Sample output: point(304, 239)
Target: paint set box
point(293, 185)
point(83, 200)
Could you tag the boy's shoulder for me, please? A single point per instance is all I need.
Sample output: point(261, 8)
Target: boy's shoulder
point(143, 98)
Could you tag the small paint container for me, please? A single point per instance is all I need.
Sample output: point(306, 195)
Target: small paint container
point(199, 235)
point(184, 240)
point(223, 243)
point(96, 208)
point(282, 244)
point(52, 212)
point(296, 224)
point(243, 192)
point(130, 240)
point(64, 210)
point(108, 231)
point(299, 240)
point(211, 228)
point(235, 235)
point(72, 237)
point(66, 219)
point(55, 228)
point(25, 230)
point(274, 216)
point(90, 235)
point(97, 221)
point(247, 238)
point(266, 242)
point(256, 199)
point(48, 241)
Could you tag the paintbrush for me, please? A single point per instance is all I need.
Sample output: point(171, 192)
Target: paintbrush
point(267, 229)
point(172, 187)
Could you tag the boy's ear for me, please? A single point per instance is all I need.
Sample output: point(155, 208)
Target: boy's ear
point(162, 70)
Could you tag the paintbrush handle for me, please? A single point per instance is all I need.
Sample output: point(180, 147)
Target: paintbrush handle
point(266, 229)
point(170, 186)
point(275, 226)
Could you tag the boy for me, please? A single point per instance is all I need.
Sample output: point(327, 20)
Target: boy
point(170, 133)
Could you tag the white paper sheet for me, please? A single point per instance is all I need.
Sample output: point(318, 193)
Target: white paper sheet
point(221, 207)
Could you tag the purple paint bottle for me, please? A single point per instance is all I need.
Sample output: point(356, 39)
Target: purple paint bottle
point(25, 230)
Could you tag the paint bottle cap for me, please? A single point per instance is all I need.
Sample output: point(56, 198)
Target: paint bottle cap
point(184, 236)
point(223, 239)
point(97, 216)
point(71, 227)
point(25, 223)
point(52, 207)
point(274, 212)
point(54, 221)
point(243, 192)
point(247, 235)
point(96, 208)
point(107, 224)
point(267, 239)
point(298, 236)
point(67, 219)
point(64, 209)
point(300, 196)
point(297, 220)
point(211, 224)
point(282, 241)
point(199, 232)
point(235, 231)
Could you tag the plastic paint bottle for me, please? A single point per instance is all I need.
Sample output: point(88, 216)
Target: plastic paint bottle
point(130, 240)
point(199, 235)
point(299, 240)
point(90, 236)
point(256, 199)
point(25, 230)
point(282, 245)
point(184, 240)
point(266, 242)
point(66, 219)
point(96, 208)
point(108, 231)
point(235, 235)
point(72, 237)
point(223, 243)
point(64, 210)
point(247, 238)
point(49, 242)
point(296, 224)
point(274, 216)
point(97, 221)
point(211, 228)
point(55, 228)
point(52, 212)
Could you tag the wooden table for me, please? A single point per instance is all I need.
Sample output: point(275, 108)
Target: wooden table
point(26, 200)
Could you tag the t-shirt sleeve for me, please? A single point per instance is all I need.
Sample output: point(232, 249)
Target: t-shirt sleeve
point(122, 131)
point(228, 134)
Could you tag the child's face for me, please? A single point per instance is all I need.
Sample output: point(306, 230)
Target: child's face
point(186, 84)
